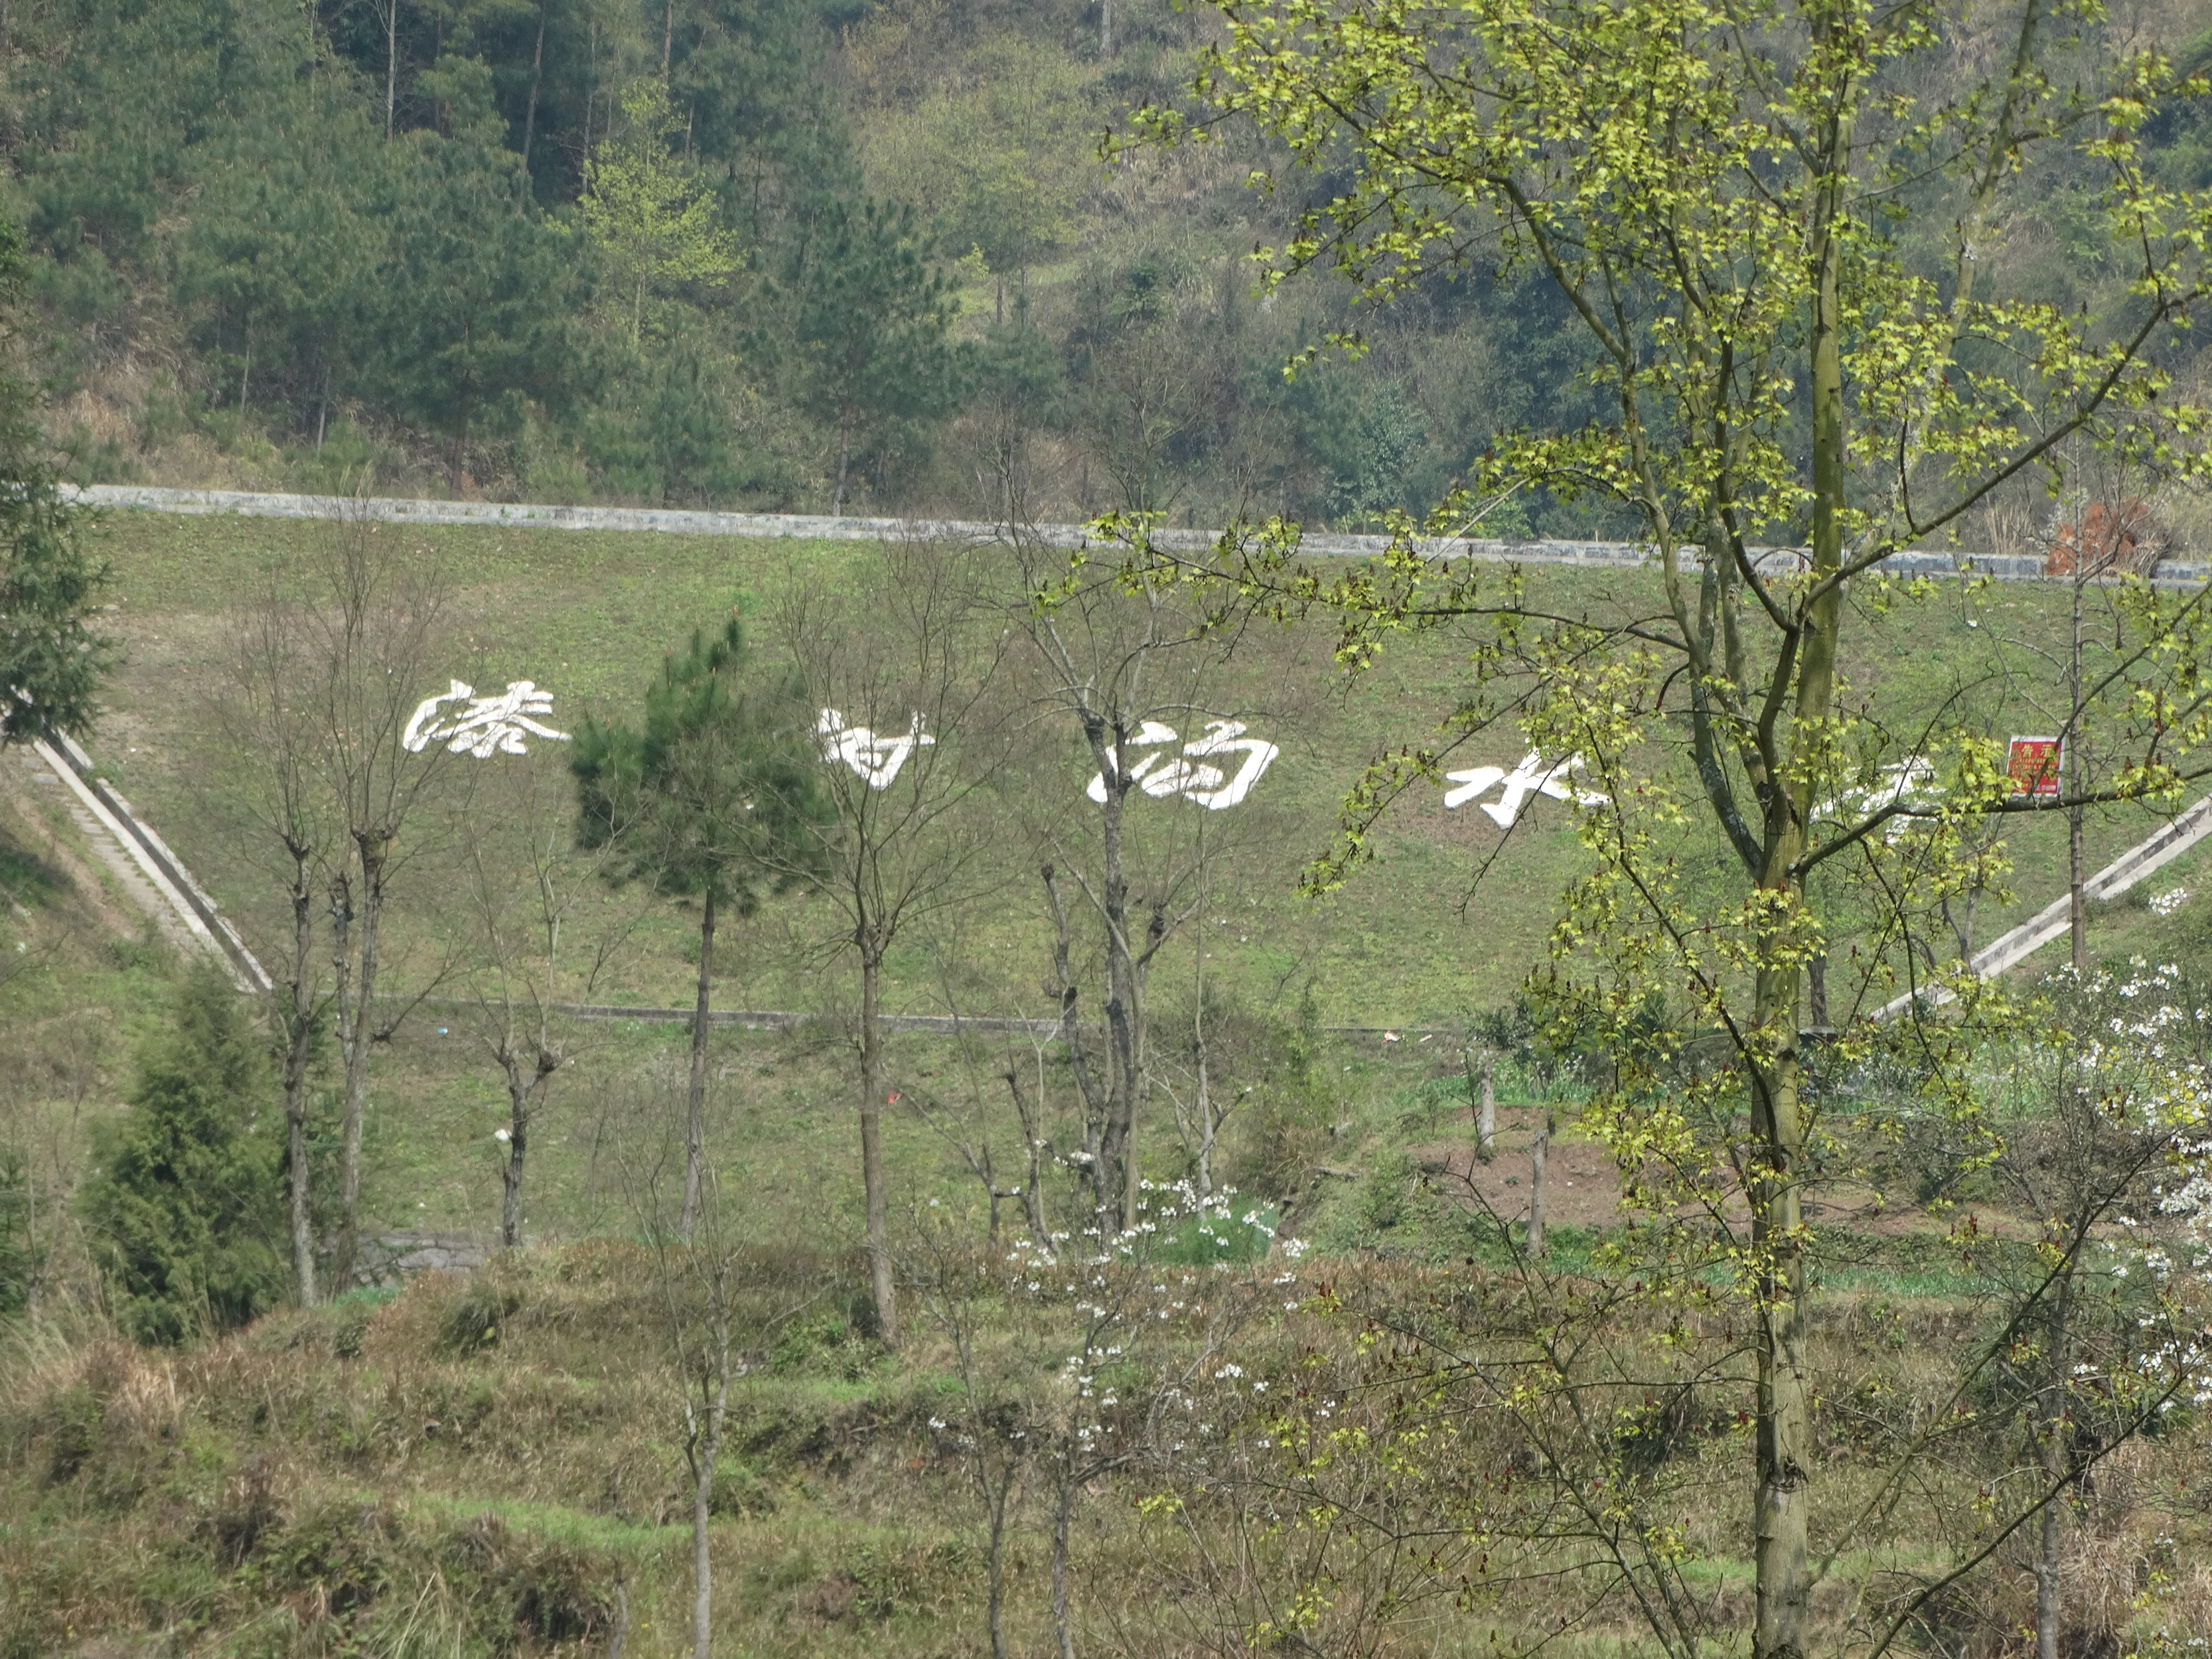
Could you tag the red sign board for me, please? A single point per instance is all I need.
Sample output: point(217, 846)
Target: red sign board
point(2035, 764)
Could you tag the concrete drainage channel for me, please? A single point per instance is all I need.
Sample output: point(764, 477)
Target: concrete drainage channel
point(2008, 950)
point(154, 877)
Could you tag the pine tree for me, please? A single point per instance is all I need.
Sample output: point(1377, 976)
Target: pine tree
point(873, 323)
point(51, 660)
point(185, 1213)
point(707, 798)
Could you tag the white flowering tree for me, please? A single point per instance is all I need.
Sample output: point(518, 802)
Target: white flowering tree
point(1086, 1355)
point(2104, 1127)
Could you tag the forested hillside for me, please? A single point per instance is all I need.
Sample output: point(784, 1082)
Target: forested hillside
point(796, 254)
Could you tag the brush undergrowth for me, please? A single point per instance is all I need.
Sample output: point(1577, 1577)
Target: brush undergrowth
point(491, 1466)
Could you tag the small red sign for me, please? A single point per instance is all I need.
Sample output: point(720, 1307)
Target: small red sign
point(2035, 764)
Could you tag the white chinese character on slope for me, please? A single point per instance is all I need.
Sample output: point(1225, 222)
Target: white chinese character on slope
point(1906, 783)
point(1193, 779)
point(876, 759)
point(487, 726)
point(1531, 777)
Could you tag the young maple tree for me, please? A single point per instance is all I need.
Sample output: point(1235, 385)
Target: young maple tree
point(1780, 228)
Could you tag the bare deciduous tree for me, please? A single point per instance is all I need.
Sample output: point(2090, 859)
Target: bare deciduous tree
point(371, 637)
point(531, 890)
point(915, 723)
point(263, 717)
point(712, 1297)
point(1120, 666)
point(327, 665)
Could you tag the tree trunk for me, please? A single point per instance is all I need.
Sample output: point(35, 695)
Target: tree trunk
point(1785, 1406)
point(536, 73)
point(1538, 1153)
point(1063, 1611)
point(1816, 978)
point(618, 1637)
point(1206, 1125)
point(2078, 904)
point(1782, 1506)
point(299, 1046)
point(1033, 1198)
point(996, 1499)
point(362, 1031)
point(667, 45)
point(461, 422)
point(591, 86)
point(518, 1136)
point(1105, 28)
point(2050, 1442)
point(844, 460)
point(872, 1147)
point(1486, 1121)
point(323, 409)
point(702, 1493)
point(1117, 1148)
point(1033, 1192)
point(1097, 1106)
point(695, 1098)
point(391, 62)
point(2047, 1584)
point(357, 1070)
point(702, 1561)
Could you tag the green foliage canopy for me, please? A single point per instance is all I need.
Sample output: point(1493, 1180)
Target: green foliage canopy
point(1781, 233)
point(51, 659)
point(652, 221)
point(185, 1213)
point(714, 792)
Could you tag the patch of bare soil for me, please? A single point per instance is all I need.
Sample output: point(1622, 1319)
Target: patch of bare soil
point(1582, 1187)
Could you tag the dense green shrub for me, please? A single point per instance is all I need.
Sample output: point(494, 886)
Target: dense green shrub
point(19, 1252)
point(185, 1210)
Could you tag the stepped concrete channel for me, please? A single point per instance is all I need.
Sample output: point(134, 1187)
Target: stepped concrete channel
point(2008, 950)
point(157, 881)
point(150, 876)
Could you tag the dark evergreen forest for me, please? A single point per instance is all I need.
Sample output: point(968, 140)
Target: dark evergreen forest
point(798, 255)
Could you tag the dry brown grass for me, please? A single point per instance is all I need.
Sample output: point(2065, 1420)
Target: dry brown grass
point(385, 1478)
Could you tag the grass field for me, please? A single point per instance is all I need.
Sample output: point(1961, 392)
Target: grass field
point(1413, 940)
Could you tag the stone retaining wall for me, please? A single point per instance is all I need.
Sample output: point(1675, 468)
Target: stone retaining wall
point(394, 510)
